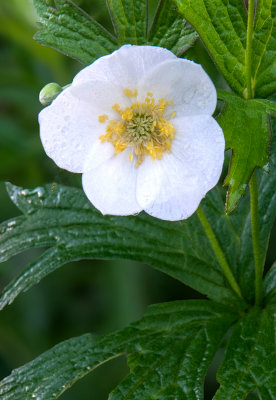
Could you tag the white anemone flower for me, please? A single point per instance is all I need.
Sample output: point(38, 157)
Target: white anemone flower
point(138, 125)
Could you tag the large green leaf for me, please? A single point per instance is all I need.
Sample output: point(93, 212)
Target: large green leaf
point(250, 360)
point(247, 131)
point(160, 348)
point(70, 30)
point(222, 25)
point(270, 286)
point(62, 218)
point(263, 57)
point(170, 30)
point(129, 18)
point(267, 214)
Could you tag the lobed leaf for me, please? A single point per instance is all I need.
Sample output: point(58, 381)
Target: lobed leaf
point(247, 131)
point(170, 30)
point(129, 18)
point(263, 57)
point(67, 28)
point(160, 348)
point(222, 25)
point(62, 218)
point(267, 214)
point(270, 286)
point(250, 360)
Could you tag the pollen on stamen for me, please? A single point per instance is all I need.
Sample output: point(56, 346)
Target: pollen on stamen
point(142, 128)
point(173, 114)
point(102, 118)
point(130, 93)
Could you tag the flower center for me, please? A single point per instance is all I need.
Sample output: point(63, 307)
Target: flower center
point(141, 127)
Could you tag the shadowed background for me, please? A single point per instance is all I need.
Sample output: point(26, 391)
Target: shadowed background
point(88, 296)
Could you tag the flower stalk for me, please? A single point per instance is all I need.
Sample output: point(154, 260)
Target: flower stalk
point(218, 252)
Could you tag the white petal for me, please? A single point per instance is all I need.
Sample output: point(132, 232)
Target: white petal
point(199, 142)
point(111, 187)
point(100, 96)
point(99, 153)
point(173, 187)
point(183, 82)
point(68, 130)
point(124, 67)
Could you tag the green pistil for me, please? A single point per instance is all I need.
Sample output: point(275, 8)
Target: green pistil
point(140, 127)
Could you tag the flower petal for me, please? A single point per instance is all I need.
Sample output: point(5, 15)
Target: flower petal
point(183, 82)
point(124, 67)
point(111, 187)
point(173, 187)
point(68, 130)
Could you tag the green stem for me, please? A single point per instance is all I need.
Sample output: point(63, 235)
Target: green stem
point(218, 251)
point(259, 265)
point(248, 52)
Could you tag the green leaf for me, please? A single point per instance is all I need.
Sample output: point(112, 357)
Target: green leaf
point(222, 25)
point(70, 30)
point(170, 30)
point(129, 18)
point(270, 286)
point(263, 46)
point(250, 360)
point(267, 214)
point(247, 132)
point(160, 348)
point(62, 218)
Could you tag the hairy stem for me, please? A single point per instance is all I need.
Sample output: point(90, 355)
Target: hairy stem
point(248, 53)
point(218, 251)
point(259, 265)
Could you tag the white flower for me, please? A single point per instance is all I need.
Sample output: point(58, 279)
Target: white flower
point(138, 124)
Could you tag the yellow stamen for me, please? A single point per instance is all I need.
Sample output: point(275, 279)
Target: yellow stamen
point(130, 93)
point(102, 118)
point(141, 127)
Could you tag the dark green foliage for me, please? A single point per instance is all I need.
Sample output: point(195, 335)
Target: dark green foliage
point(168, 350)
point(70, 30)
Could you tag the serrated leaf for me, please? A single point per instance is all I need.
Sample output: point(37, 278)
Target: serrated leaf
point(222, 25)
point(64, 219)
point(267, 214)
point(168, 350)
point(170, 30)
point(263, 57)
point(246, 127)
point(129, 18)
point(270, 286)
point(67, 28)
point(70, 30)
point(250, 360)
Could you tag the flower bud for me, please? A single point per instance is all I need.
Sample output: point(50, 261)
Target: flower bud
point(49, 93)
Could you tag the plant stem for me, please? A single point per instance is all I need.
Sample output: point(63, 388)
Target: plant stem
point(248, 51)
point(218, 251)
point(259, 265)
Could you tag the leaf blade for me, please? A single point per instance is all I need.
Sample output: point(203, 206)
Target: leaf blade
point(129, 20)
point(65, 219)
point(250, 360)
point(68, 29)
point(78, 356)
